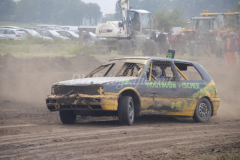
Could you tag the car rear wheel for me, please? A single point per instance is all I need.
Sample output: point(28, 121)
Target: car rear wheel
point(67, 117)
point(126, 110)
point(203, 111)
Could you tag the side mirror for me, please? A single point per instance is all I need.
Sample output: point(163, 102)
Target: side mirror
point(120, 24)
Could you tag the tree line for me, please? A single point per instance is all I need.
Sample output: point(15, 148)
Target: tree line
point(62, 12)
point(175, 13)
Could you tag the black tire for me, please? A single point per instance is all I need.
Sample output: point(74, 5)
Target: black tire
point(124, 47)
point(149, 48)
point(126, 110)
point(203, 111)
point(67, 117)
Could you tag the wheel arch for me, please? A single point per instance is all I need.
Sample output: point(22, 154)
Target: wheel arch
point(136, 98)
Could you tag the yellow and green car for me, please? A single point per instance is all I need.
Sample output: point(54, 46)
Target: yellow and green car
point(134, 86)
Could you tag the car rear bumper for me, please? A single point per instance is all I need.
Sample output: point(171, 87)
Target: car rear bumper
point(82, 102)
point(216, 104)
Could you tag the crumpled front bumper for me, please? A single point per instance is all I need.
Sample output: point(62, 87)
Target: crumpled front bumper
point(82, 102)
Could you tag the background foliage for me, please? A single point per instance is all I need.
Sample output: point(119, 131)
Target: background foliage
point(167, 13)
point(63, 12)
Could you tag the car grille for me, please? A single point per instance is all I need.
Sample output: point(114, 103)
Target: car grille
point(68, 90)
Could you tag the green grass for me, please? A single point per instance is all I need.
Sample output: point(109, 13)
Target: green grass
point(32, 47)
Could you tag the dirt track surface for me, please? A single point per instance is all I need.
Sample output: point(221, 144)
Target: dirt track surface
point(29, 131)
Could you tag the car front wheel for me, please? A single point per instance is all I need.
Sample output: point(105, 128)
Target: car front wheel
point(203, 111)
point(126, 110)
point(67, 117)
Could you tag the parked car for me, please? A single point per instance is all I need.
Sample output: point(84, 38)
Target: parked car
point(34, 34)
point(9, 27)
point(93, 36)
point(70, 28)
point(52, 34)
point(130, 87)
point(69, 34)
point(48, 27)
point(12, 34)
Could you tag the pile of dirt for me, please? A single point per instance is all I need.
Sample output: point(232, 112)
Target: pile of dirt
point(9, 63)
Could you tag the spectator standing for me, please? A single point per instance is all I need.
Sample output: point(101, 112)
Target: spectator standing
point(170, 33)
point(87, 37)
point(173, 41)
point(226, 35)
point(161, 39)
point(231, 47)
point(211, 42)
point(219, 43)
point(153, 36)
point(192, 41)
point(182, 43)
point(178, 46)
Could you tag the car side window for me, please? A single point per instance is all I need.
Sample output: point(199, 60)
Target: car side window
point(61, 33)
point(10, 32)
point(161, 71)
point(188, 72)
point(2, 31)
point(45, 33)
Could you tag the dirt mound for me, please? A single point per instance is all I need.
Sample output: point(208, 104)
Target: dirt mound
point(9, 63)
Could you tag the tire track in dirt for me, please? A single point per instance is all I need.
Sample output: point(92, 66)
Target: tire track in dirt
point(91, 144)
point(102, 147)
point(69, 133)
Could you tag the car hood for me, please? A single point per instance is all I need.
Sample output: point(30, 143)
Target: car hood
point(65, 38)
point(46, 38)
point(93, 81)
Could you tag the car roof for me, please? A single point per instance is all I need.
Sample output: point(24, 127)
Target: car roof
point(139, 11)
point(9, 27)
point(152, 58)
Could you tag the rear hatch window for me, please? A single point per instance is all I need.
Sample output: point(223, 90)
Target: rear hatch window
point(20, 33)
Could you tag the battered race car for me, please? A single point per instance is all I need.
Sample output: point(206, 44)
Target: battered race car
point(131, 87)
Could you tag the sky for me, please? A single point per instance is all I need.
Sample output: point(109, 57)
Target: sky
point(107, 6)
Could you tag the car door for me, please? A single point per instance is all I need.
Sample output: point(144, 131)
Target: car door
point(2, 34)
point(189, 84)
point(10, 34)
point(46, 33)
point(164, 89)
point(159, 94)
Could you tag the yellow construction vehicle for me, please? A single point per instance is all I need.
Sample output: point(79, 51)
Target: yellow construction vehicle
point(224, 21)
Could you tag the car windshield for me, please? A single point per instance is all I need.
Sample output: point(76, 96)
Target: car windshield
point(55, 33)
point(73, 33)
point(120, 68)
point(20, 32)
point(92, 34)
point(34, 33)
point(231, 20)
point(203, 25)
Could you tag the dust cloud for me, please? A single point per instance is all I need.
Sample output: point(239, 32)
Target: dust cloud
point(30, 80)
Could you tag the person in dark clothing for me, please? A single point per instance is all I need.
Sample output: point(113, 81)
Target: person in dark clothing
point(161, 39)
point(87, 37)
point(226, 35)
